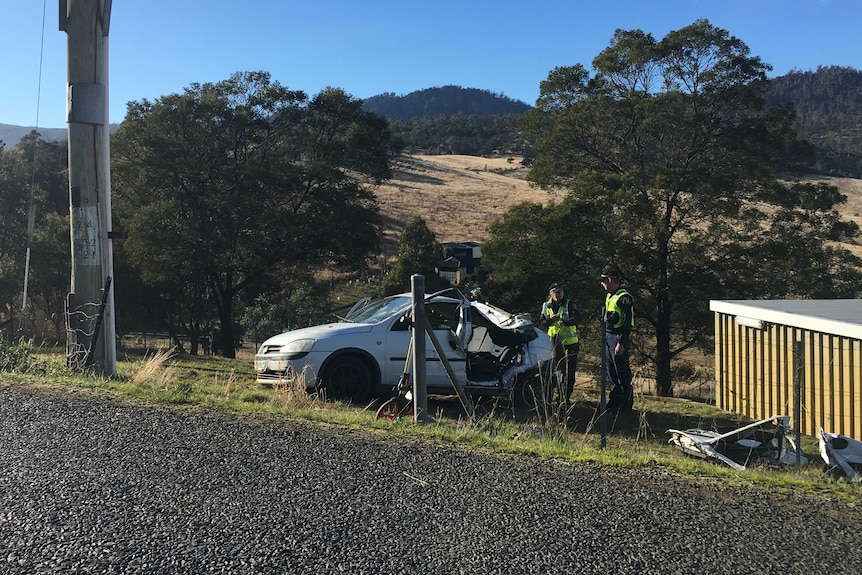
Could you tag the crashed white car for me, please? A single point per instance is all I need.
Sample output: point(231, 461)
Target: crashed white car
point(492, 352)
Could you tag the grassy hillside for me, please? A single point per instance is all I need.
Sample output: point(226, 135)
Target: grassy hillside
point(459, 196)
point(852, 210)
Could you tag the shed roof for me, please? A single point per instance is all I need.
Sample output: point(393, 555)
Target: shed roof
point(469, 244)
point(449, 263)
point(833, 316)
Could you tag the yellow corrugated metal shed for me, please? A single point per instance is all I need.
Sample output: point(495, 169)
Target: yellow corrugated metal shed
point(841, 317)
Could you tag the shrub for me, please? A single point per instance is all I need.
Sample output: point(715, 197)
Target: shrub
point(17, 358)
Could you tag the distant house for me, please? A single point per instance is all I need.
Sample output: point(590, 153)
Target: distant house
point(763, 349)
point(463, 263)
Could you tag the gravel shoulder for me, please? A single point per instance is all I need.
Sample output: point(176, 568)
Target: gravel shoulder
point(90, 485)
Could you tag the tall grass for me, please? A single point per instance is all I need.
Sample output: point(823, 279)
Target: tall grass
point(166, 375)
point(293, 393)
point(154, 370)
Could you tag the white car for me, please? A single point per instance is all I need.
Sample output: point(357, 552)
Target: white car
point(492, 352)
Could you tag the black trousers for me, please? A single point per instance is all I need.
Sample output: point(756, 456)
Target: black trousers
point(619, 372)
point(566, 362)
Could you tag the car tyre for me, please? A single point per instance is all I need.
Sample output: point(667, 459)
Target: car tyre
point(532, 387)
point(527, 391)
point(347, 378)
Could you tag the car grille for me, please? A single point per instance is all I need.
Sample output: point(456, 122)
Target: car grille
point(272, 377)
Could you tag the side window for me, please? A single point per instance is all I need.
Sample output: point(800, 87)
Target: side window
point(403, 323)
point(442, 316)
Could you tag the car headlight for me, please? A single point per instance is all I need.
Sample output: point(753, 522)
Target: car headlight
point(298, 348)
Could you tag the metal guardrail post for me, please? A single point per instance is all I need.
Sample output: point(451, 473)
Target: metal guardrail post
point(603, 418)
point(459, 389)
point(797, 398)
point(420, 386)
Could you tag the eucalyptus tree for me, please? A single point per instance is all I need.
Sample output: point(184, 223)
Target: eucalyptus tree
point(14, 208)
point(666, 148)
point(34, 183)
point(50, 272)
point(233, 181)
point(418, 253)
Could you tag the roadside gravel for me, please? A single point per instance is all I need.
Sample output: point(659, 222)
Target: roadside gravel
point(94, 486)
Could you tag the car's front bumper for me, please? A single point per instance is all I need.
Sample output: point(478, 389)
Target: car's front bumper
point(275, 368)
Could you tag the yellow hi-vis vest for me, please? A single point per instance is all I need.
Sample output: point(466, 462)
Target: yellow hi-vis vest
point(568, 333)
point(611, 306)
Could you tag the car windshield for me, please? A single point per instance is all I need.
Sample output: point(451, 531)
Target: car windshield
point(379, 310)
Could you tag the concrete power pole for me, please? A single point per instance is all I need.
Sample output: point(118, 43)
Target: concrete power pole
point(90, 305)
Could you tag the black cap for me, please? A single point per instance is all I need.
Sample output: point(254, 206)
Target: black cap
point(554, 287)
point(611, 273)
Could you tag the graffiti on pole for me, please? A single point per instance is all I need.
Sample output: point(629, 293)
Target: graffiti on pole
point(85, 236)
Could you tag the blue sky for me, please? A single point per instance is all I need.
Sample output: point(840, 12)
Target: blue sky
point(366, 47)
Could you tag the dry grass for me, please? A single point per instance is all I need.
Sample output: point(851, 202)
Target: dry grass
point(154, 371)
point(852, 210)
point(294, 394)
point(225, 385)
point(460, 196)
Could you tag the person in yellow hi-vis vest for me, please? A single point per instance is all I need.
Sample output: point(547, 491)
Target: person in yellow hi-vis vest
point(619, 320)
point(560, 315)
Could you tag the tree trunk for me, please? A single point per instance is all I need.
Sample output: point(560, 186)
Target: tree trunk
point(663, 379)
point(664, 305)
point(175, 337)
point(227, 342)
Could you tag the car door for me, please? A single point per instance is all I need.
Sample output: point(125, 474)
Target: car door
point(397, 342)
point(444, 317)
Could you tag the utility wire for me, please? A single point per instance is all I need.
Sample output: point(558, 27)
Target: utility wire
point(31, 215)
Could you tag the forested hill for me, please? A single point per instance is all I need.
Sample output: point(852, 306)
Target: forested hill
point(454, 120)
point(11, 134)
point(445, 101)
point(470, 121)
point(828, 105)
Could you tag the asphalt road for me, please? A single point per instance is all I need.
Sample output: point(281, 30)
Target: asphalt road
point(93, 486)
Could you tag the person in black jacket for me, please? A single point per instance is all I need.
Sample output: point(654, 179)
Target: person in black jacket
point(618, 315)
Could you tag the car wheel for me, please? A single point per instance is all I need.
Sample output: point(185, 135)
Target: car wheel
point(532, 387)
point(527, 392)
point(347, 378)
